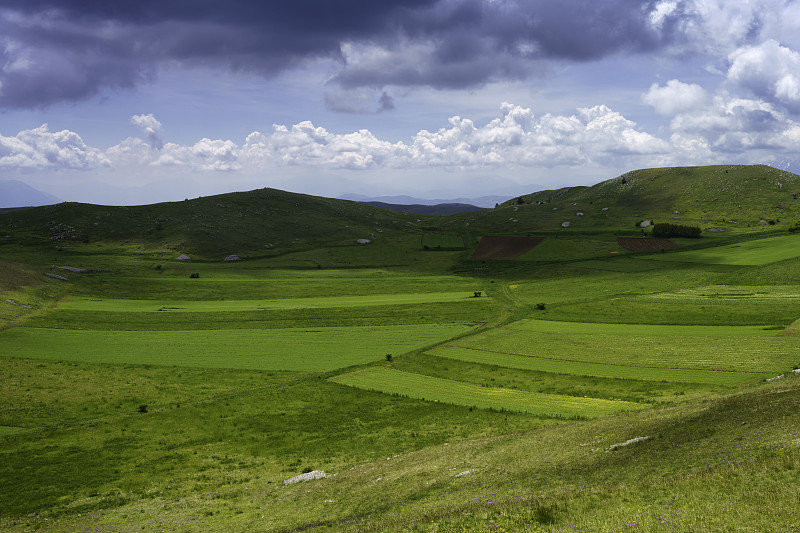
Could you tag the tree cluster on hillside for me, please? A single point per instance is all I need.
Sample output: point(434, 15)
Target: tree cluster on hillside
point(666, 230)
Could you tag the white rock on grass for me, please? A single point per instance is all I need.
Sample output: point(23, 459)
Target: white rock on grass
point(626, 443)
point(73, 269)
point(363, 241)
point(565, 224)
point(12, 302)
point(55, 276)
point(183, 257)
point(308, 476)
point(232, 258)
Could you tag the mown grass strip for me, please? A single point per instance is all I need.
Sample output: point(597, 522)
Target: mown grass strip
point(600, 370)
point(748, 293)
point(762, 352)
point(423, 387)
point(126, 305)
point(298, 349)
point(638, 330)
point(757, 252)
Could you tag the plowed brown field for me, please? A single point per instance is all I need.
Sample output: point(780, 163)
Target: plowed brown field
point(635, 244)
point(504, 247)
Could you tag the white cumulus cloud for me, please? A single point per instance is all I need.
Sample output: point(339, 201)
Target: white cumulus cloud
point(151, 127)
point(42, 148)
point(769, 70)
point(675, 97)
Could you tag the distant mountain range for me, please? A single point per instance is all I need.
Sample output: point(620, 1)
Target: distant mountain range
point(14, 193)
point(481, 201)
point(433, 210)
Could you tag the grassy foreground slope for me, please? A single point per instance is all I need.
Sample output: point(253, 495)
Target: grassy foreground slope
point(587, 389)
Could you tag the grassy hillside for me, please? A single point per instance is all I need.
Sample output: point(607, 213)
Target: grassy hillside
point(260, 222)
point(579, 387)
point(733, 197)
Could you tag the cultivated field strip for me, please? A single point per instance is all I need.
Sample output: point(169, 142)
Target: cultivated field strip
point(600, 370)
point(429, 388)
point(638, 330)
point(756, 252)
point(748, 293)
point(129, 305)
point(297, 349)
point(760, 352)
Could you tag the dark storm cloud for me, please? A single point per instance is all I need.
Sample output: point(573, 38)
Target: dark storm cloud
point(57, 50)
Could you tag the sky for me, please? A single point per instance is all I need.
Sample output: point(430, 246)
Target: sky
point(129, 102)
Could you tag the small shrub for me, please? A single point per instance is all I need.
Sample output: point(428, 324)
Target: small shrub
point(194, 275)
point(389, 357)
point(143, 408)
point(540, 307)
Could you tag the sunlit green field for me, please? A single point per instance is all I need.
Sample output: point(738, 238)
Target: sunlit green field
point(472, 395)
point(749, 350)
point(585, 390)
point(276, 349)
point(138, 306)
point(755, 252)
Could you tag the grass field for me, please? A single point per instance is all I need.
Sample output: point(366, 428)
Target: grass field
point(303, 349)
point(756, 252)
point(601, 370)
point(470, 395)
point(442, 241)
point(675, 347)
point(590, 388)
point(138, 306)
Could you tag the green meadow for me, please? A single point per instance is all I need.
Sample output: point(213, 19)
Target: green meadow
point(275, 349)
point(588, 388)
point(756, 252)
point(129, 305)
point(468, 394)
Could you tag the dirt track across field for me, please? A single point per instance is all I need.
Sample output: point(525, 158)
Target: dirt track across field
point(504, 247)
point(639, 244)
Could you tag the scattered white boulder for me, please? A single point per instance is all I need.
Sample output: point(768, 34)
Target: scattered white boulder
point(363, 241)
point(565, 224)
point(605, 209)
point(626, 443)
point(183, 257)
point(645, 224)
point(308, 476)
point(233, 257)
point(12, 302)
point(73, 269)
point(55, 276)
point(775, 378)
point(579, 214)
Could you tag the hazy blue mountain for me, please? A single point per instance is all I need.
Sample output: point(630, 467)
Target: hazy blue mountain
point(442, 209)
point(481, 201)
point(14, 193)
